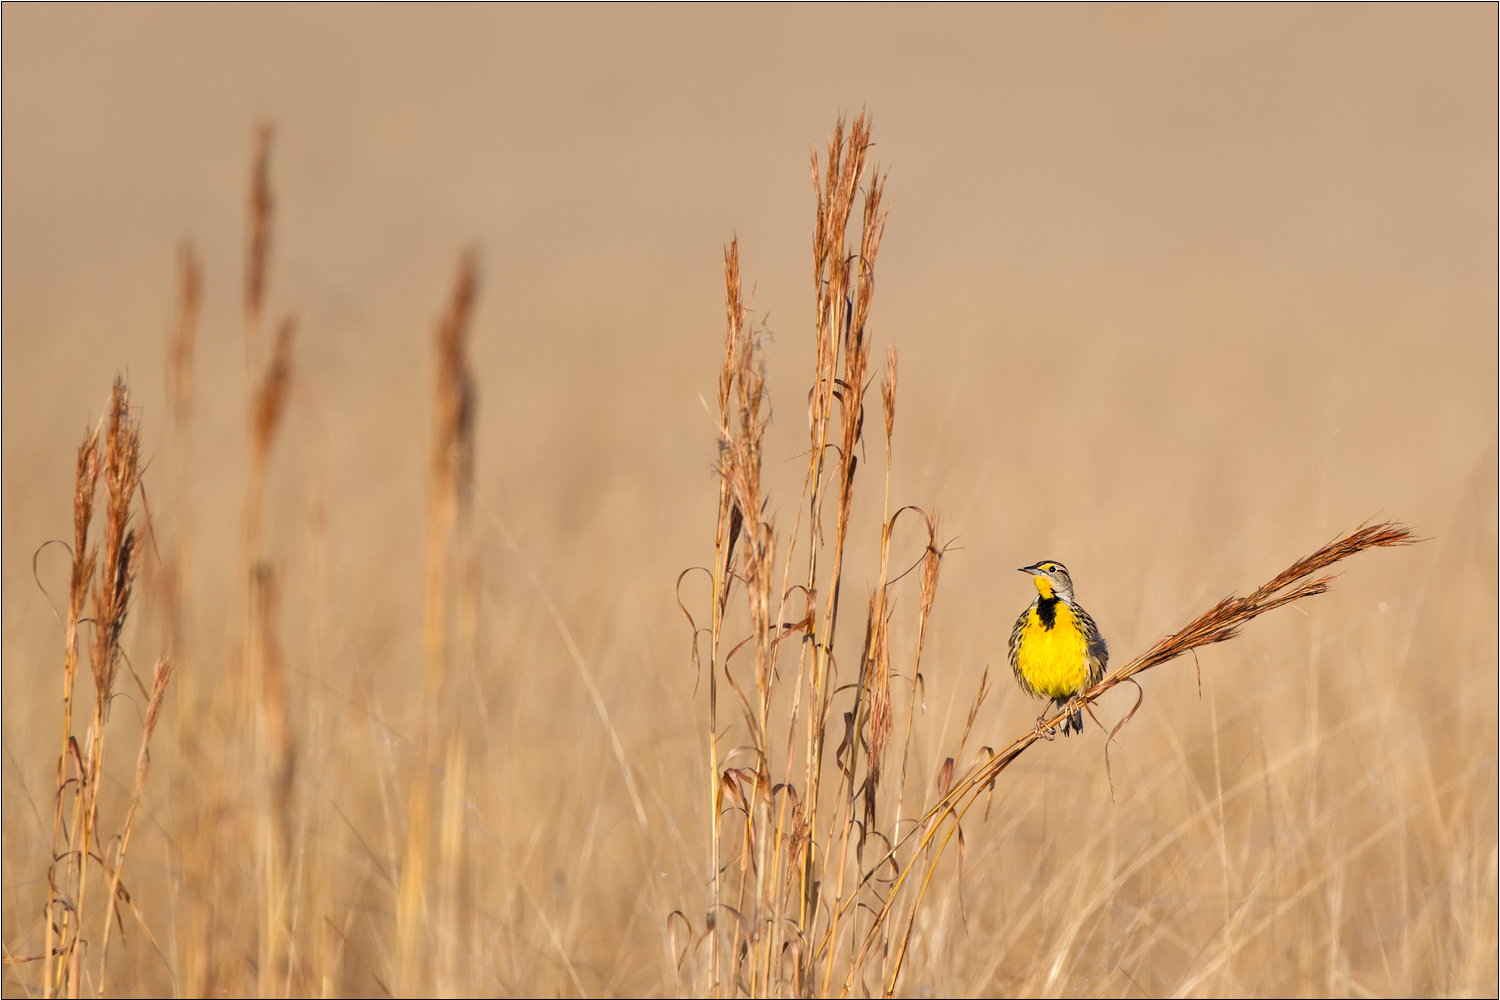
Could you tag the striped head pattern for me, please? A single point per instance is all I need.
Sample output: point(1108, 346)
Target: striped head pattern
point(1051, 579)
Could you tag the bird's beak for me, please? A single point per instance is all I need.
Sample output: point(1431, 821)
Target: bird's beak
point(1026, 569)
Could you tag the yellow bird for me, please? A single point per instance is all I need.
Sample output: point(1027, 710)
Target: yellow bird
point(1056, 649)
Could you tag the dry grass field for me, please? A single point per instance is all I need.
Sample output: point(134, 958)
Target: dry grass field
point(439, 449)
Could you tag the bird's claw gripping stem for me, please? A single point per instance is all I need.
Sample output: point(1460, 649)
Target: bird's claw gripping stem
point(1044, 731)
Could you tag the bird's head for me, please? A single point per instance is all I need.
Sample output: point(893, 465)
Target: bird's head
point(1051, 579)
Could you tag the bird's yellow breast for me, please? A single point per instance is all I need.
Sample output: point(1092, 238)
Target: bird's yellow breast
point(1054, 661)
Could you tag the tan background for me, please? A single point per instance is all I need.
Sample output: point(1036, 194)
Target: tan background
point(1179, 295)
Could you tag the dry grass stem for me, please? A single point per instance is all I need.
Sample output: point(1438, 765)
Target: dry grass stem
point(111, 453)
point(159, 679)
point(1220, 623)
point(431, 912)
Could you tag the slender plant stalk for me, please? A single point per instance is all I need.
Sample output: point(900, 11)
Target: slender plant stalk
point(726, 534)
point(61, 918)
point(160, 677)
point(111, 453)
point(264, 674)
point(450, 480)
point(264, 684)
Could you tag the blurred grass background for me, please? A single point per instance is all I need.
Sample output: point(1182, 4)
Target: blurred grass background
point(1179, 294)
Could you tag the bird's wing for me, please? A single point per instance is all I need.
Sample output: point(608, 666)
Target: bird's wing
point(1015, 651)
point(1015, 637)
point(1098, 649)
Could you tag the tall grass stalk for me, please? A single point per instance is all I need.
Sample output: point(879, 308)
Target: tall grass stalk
point(111, 453)
point(793, 847)
point(446, 608)
point(265, 693)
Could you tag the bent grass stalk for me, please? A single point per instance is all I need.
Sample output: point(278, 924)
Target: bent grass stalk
point(1220, 623)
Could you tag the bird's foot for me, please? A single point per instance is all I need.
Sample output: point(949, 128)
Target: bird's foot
point(1044, 731)
point(1074, 717)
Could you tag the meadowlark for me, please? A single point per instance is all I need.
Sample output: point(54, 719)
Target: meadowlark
point(1056, 649)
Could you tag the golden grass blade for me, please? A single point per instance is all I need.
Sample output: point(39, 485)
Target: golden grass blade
point(160, 677)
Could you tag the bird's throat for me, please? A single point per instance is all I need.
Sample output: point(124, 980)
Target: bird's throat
point(1046, 609)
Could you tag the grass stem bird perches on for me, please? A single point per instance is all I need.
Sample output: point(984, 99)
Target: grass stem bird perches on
point(1220, 623)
